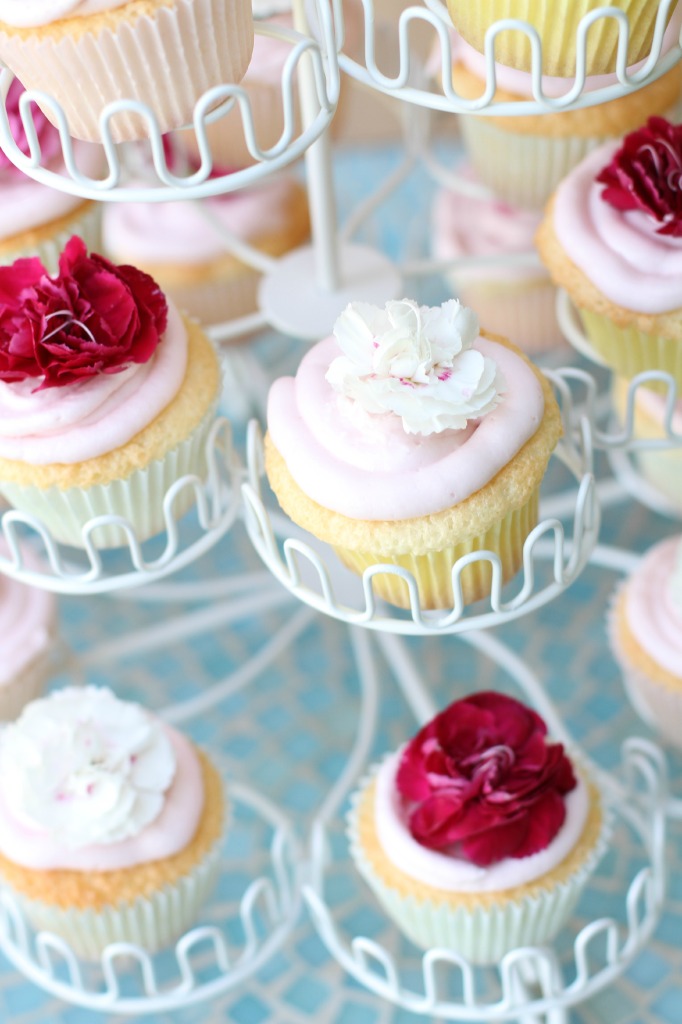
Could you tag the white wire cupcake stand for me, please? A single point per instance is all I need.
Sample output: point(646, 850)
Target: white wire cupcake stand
point(301, 294)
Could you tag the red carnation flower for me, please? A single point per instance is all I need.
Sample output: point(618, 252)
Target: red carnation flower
point(481, 777)
point(93, 317)
point(646, 174)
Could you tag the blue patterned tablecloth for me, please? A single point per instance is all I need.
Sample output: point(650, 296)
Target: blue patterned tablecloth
point(289, 731)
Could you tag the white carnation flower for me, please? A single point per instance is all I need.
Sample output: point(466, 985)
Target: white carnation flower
point(416, 362)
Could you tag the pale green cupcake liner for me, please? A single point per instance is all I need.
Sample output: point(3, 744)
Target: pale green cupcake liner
point(630, 351)
point(139, 498)
point(85, 224)
point(481, 935)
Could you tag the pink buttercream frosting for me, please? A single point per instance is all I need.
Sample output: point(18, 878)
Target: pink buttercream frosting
point(166, 233)
point(171, 831)
point(455, 874)
point(653, 604)
point(269, 54)
point(31, 13)
point(619, 251)
point(94, 415)
point(365, 466)
point(27, 616)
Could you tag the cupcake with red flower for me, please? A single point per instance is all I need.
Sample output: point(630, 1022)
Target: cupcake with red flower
point(480, 834)
point(612, 237)
point(106, 396)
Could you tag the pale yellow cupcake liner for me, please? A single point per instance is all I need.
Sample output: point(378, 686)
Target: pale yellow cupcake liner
point(521, 168)
point(139, 498)
point(153, 921)
point(524, 310)
point(630, 351)
point(557, 25)
point(433, 571)
point(213, 300)
point(483, 935)
point(86, 224)
point(167, 61)
point(657, 704)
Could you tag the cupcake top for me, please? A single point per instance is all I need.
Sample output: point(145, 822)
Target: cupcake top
point(466, 225)
point(88, 357)
point(93, 783)
point(618, 217)
point(25, 203)
point(653, 604)
point(406, 411)
point(171, 233)
point(31, 13)
point(27, 617)
point(480, 800)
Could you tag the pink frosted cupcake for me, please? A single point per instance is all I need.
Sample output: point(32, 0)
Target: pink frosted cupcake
point(164, 53)
point(645, 630)
point(110, 821)
point(517, 300)
point(36, 220)
point(180, 246)
point(27, 634)
point(480, 834)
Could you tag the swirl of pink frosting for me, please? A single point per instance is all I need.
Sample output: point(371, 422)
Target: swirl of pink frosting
point(519, 83)
point(464, 225)
point(26, 204)
point(365, 466)
point(171, 831)
point(166, 233)
point(653, 604)
point(32, 13)
point(455, 874)
point(27, 616)
point(94, 415)
point(619, 251)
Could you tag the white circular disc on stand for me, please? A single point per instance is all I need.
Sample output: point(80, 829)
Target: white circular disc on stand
point(294, 303)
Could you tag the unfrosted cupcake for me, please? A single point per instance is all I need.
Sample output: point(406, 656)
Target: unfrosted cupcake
point(110, 821)
point(645, 630)
point(164, 53)
point(27, 636)
point(661, 467)
point(480, 834)
point(36, 220)
point(612, 237)
point(106, 396)
point(524, 158)
point(556, 22)
point(511, 298)
point(410, 439)
point(180, 244)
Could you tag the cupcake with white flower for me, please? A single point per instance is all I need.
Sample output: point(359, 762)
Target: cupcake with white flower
point(480, 833)
point(110, 821)
point(411, 439)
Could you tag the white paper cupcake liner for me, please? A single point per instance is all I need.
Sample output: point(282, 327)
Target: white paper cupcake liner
point(522, 310)
point(84, 222)
point(657, 704)
point(139, 498)
point(481, 935)
point(167, 61)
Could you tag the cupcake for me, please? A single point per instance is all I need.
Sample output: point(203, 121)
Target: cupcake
point(645, 631)
point(163, 53)
point(511, 298)
point(408, 439)
point(661, 467)
point(524, 158)
point(557, 22)
point(110, 822)
point(106, 397)
point(612, 237)
point(27, 636)
point(36, 220)
point(480, 834)
point(180, 244)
